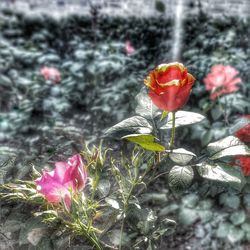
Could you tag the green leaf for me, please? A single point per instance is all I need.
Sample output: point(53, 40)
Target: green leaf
point(230, 200)
point(246, 227)
point(167, 227)
point(132, 125)
point(104, 187)
point(168, 209)
point(181, 156)
point(43, 244)
point(187, 216)
point(206, 137)
point(238, 101)
point(223, 230)
point(235, 234)
point(147, 222)
point(145, 106)
point(113, 203)
point(180, 177)
point(228, 146)
point(238, 217)
point(145, 141)
point(12, 225)
point(190, 200)
point(183, 118)
point(222, 173)
point(238, 124)
point(48, 58)
point(217, 112)
point(154, 197)
point(114, 237)
point(5, 81)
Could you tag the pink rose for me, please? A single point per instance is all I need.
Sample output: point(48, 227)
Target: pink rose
point(222, 80)
point(51, 74)
point(129, 48)
point(64, 181)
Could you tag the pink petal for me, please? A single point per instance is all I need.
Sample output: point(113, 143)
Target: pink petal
point(51, 188)
point(52, 74)
point(216, 80)
point(230, 72)
point(233, 82)
point(129, 48)
point(77, 171)
point(60, 171)
point(67, 201)
point(221, 80)
point(217, 68)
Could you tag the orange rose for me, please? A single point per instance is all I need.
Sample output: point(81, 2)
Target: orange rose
point(170, 86)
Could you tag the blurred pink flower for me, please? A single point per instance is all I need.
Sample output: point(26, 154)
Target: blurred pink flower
point(65, 180)
point(221, 80)
point(52, 74)
point(129, 48)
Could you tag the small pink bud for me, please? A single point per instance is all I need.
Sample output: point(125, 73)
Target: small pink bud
point(51, 74)
point(129, 48)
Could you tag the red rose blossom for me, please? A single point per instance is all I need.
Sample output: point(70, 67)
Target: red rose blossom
point(170, 86)
point(244, 163)
point(221, 80)
point(244, 134)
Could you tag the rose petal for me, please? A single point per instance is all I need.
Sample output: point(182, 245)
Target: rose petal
point(64, 180)
point(221, 80)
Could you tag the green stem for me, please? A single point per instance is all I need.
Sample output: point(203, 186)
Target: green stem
point(125, 208)
point(131, 192)
point(121, 233)
point(95, 242)
point(93, 239)
point(172, 131)
point(95, 184)
point(84, 231)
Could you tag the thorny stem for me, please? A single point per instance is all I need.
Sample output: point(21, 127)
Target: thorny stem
point(150, 167)
point(172, 131)
point(126, 207)
point(225, 113)
point(91, 236)
point(130, 194)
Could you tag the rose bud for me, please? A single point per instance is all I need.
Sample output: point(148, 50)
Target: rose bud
point(51, 74)
point(169, 86)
